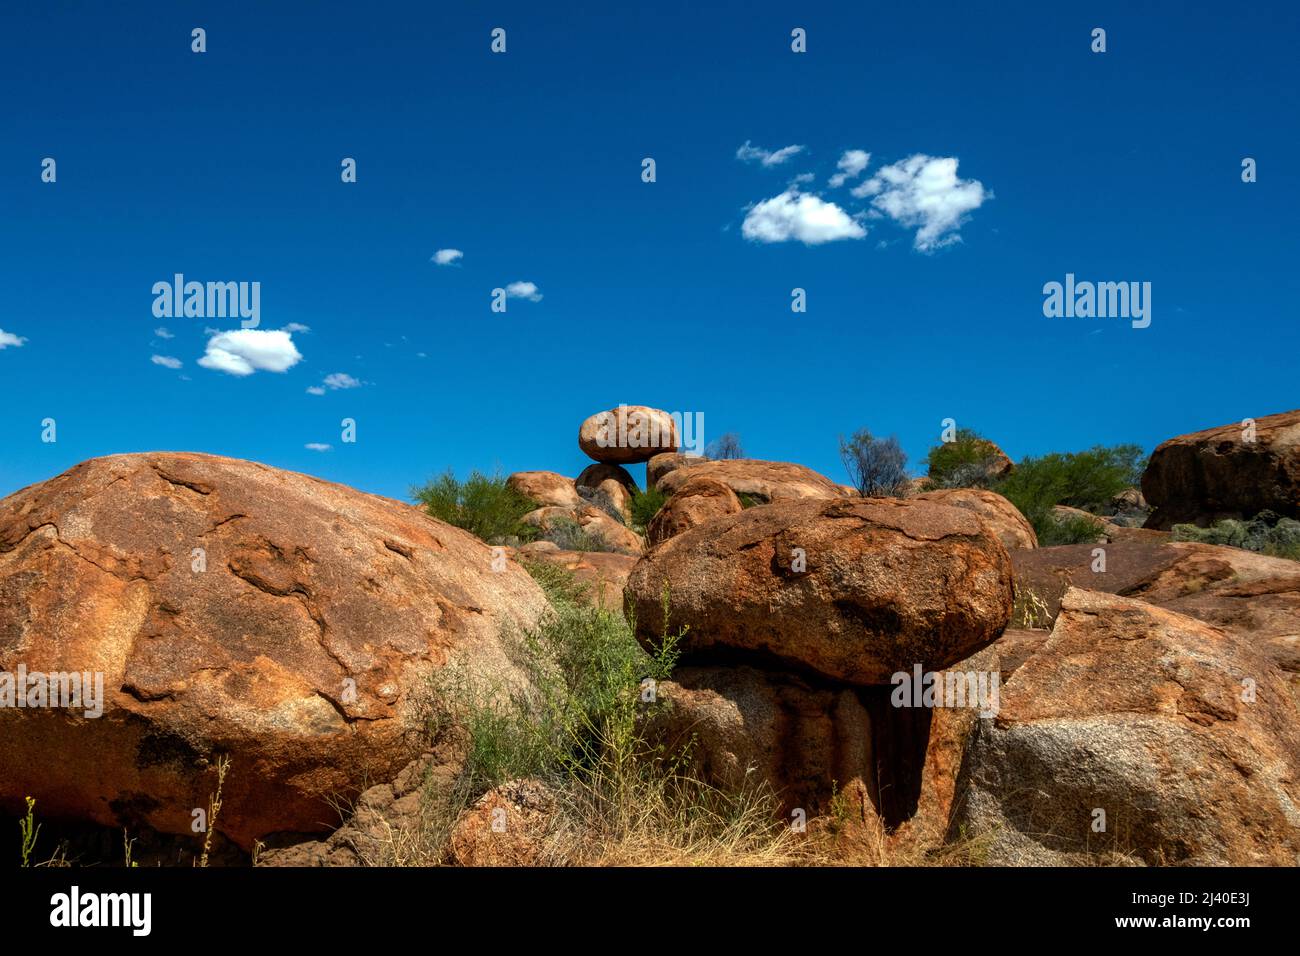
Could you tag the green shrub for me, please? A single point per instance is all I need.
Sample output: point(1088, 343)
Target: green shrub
point(1052, 529)
point(1086, 479)
point(486, 507)
point(571, 536)
point(1266, 533)
point(645, 505)
point(749, 501)
point(963, 463)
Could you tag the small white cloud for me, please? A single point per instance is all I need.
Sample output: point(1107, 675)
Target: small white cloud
point(804, 218)
point(297, 327)
point(850, 166)
point(315, 389)
point(245, 351)
point(209, 330)
point(166, 361)
point(162, 333)
point(445, 257)
point(748, 153)
point(924, 192)
point(341, 380)
point(8, 339)
point(317, 446)
point(802, 178)
point(524, 290)
point(420, 355)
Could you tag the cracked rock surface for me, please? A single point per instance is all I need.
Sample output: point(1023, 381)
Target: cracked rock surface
point(237, 609)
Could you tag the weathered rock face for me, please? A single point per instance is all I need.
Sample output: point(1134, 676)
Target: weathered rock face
point(547, 488)
point(698, 500)
point(854, 589)
point(1138, 712)
point(295, 641)
point(590, 519)
point(602, 573)
point(660, 465)
point(1012, 528)
point(507, 826)
point(1252, 595)
point(593, 476)
point(1221, 473)
point(628, 434)
point(765, 481)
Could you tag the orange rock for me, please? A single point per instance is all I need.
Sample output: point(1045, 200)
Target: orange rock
point(763, 480)
point(1011, 527)
point(628, 434)
point(233, 609)
point(698, 500)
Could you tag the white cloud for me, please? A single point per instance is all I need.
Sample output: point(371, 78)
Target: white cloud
point(798, 216)
point(445, 257)
point(923, 192)
point(802, 178)
point(317, 446)
point(850, 166)
point(297, 327)
point(162, 333)
point(8, 338)
point(166, 361)
point(316, 390)
point(748, 153)
point(341, 380)
point(524, 290)
point(245, 351)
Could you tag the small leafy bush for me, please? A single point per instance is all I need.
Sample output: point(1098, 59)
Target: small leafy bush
point(571, 536)
point(963, 463)
point(1087, 479)
point(645, 505)
point(486, 507)
point(1266, 533)
point(1052, 529)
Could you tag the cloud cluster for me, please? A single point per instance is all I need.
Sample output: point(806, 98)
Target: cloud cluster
point(245, 351)
point(924, 193)
point(850, 166)
point(748, 153)
point(8, 339)
point(524, 290)
point(445, 257)
point(801, 217)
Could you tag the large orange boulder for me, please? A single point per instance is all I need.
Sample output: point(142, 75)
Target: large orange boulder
point(547, 488)
point(1012, 528)
point(763, 481)
point(628, 434)
point(698, 500)
point(1232, 471)
point(1136, 733)
point(854, 589)
point(235, 610)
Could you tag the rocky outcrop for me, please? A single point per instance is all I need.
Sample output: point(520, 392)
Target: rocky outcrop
point(853, 589)
point(763, 481)
point(1232, 471)
point(1012, 528)
point(1251, 595)
point(660, 465)
point(698, 500)
point(1136, 733)
point(232, 610)
point(602, 574)
point(628, 434)
point(546, 488)
point(507, 826)
point(606, 531)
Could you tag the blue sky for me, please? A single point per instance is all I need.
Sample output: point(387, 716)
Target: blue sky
point(225, 166)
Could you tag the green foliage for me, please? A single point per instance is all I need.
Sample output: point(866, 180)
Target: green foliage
point(1266, 533)
point(1087, 479)
point(1052, 529)
point(584, 668)
point(749, 501)
point(963, 463)
point(645, 505)
point(486, 507)
point(571, 536)
point(30, 829)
